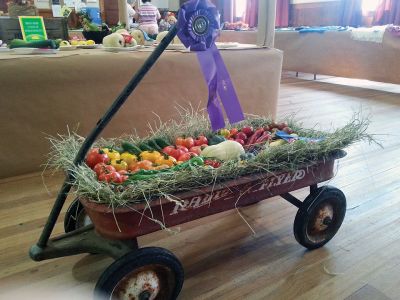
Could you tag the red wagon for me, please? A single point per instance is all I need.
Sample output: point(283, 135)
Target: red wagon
point(156, 273)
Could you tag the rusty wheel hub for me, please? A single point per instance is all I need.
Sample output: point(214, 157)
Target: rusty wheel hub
point(321, 222)
point(144, 285)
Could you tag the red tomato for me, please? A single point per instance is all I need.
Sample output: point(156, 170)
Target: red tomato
point(212, 163)
point(196, 149)
point(186, 156)
point(248, 130)
point(145, 165)
point(182, 148)
point(288, 130)
point(123, 174)
point(116, 177)
point(103, 168)
point(106, 177)
point(241, 136)
point(282, 125)
point(95, 156)
point(273, 125)
point(234, 132)
point(175, 152)
point(201, 140)
point(180, 141)
point(188, 142)
point(240, 141)
point(96, 150)
point(168, 150)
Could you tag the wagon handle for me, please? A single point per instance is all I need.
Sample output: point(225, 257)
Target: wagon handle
point(100, 125)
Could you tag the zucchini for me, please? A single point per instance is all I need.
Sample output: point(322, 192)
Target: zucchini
point(17, 43)
point(131, 148)
point(216, 139)
point(145, 147)
point(162, 143)
point(153, 144)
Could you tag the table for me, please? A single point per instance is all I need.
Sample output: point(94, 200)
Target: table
point(43, 95)
point(337, 54)
point(244, 37)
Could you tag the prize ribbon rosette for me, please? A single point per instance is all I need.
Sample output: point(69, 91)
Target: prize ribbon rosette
point(198, 27)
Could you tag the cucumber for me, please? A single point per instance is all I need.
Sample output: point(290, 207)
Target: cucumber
point(131, 148)
point(153, 144)
point(145, 147)
point(216, 140)
point(17, 43)
point(162, 143)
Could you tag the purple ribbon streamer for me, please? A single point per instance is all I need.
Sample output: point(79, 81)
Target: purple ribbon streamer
point(226, 90)
point(209, 69)
point(192, 16)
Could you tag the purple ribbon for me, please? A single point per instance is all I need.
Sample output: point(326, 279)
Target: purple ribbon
point(198, 27)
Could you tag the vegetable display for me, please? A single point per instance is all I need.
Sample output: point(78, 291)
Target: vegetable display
point(130, 162)
point(185, 155)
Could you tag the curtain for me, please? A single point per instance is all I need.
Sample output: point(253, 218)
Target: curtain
point(351, 13)
point(388, 12)
point(227, 9)
point(251, 14)
point(266, 23)
point(282, 13)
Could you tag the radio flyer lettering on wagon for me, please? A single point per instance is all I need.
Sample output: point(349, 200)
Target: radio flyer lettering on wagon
point(32, 28)
point(225, 194)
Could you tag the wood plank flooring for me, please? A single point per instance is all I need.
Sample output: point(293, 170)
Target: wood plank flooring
point(221, 257)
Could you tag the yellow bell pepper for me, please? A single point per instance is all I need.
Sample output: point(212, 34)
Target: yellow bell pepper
point(119, 164)
point(166, 160)
point(112, 154)
point(128, 158)
point(150, 155)
point(225, 132)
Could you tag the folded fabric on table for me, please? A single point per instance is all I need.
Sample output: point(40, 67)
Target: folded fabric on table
point(373, 34)
point(321, 29)
point(308, 29)
point(393, 30)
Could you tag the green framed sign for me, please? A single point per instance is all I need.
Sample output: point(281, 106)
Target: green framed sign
point(32, 28)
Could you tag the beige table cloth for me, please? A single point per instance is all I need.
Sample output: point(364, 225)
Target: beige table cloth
point(43, 94)
point(244, 37)
point(337, 54)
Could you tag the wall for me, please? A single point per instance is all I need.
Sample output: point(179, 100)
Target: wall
point(315, 13)
point(309, 1)
point(46, 4)
point(160, 3)
point(173, 5)
point(3, 5)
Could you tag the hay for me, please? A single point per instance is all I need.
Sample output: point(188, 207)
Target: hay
point(281, 158)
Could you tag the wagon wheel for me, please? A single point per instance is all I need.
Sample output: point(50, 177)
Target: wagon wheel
point(144, 274)
point(319, 217)
point(75, 217)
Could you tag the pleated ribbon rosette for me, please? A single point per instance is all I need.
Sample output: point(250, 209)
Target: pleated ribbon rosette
point(198, 27)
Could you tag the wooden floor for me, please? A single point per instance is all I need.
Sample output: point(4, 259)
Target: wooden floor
point(221, 257)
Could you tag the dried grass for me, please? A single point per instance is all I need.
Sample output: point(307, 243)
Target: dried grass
point(281, 158)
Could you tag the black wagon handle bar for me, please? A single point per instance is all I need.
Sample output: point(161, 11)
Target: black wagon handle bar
point(93, 135)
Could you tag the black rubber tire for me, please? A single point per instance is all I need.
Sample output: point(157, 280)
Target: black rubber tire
point(136, 260)
point(74, 217)
point(305, 224)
